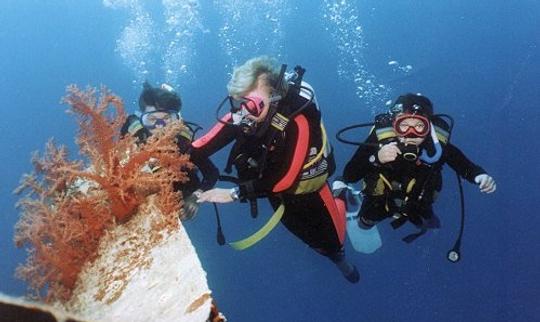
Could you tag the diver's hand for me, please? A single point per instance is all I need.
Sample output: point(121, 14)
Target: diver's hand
point(190, 205)
point(218, 195)
point(388, 153)
point(486, 183)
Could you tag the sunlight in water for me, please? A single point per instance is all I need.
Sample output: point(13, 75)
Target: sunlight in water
point(251, 28)
point(135, 43)
point(344, 27)
point(144, 39)
point(183, 23)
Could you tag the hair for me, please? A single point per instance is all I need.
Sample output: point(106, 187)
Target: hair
point(160, 98)
point(244, 77)
point(408, 100)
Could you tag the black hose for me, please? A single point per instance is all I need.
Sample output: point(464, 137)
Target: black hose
point(220, 236)
point(454, 254)
point(356, 126)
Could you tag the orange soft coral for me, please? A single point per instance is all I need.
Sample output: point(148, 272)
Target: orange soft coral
point(70, 204)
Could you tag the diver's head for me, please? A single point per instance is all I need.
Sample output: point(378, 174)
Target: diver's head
point(252, 88)
point(412, 118)
point(159, 106)
point(259, 73)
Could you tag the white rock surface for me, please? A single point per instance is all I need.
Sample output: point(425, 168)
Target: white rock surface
point(144, 272)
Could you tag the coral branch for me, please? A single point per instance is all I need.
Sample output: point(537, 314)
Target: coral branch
point(67, 206)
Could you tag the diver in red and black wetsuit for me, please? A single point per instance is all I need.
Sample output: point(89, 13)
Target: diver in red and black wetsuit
point(283, 156)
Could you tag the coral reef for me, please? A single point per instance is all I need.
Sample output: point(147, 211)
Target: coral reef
point(67, 206)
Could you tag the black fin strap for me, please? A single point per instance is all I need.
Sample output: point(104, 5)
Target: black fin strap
point(412, 237)
point(399, 222)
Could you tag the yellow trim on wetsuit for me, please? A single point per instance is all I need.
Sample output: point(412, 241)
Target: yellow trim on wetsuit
point(323, 148)
point(383, 178)
point(186, 133)
point(310, 185)
point(410, 185)
point(385, 133)
point(442, 134)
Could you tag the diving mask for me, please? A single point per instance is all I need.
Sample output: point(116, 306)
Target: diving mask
point(242, 108)
point(157, 119)
point(411, 126)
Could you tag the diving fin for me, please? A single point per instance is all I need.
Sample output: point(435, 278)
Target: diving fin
point(364, 241)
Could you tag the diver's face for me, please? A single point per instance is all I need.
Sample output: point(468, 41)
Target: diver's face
point(411, 141)
point(153, 119)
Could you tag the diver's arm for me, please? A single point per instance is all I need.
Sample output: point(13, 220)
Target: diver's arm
point(209, 172)
point(461, 164)
point(217, 138)
point(360, 164)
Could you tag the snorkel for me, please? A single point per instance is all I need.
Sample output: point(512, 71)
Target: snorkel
point(424, 156)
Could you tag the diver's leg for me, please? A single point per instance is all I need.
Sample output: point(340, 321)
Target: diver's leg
point(430, 219)
point(317, 221)
point(371, 212)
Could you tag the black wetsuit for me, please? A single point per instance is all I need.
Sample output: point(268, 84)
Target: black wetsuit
point(385, 185)
point(208, 170)
point(285, 175)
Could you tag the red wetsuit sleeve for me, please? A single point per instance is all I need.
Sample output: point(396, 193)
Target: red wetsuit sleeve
point(214, 140)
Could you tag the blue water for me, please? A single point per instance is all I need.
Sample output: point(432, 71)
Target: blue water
point(476, 60)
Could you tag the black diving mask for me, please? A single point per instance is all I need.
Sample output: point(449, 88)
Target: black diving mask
point(239, 109)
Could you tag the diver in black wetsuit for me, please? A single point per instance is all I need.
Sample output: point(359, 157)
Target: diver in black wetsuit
point(400, 164)
point(280, 153)
point(159, 106)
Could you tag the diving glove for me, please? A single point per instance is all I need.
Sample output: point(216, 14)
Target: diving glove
point(485, 183)
point(191, 207)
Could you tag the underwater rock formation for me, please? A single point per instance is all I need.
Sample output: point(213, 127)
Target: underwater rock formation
point(103, 233)
point(19, 310)
point(143, 274)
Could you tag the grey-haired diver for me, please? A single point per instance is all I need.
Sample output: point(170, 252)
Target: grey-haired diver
point(280, 153)
point(157, 107)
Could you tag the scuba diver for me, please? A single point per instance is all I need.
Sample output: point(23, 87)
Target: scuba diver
point(400, 164)
point(158, 107)
point(280, 152)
